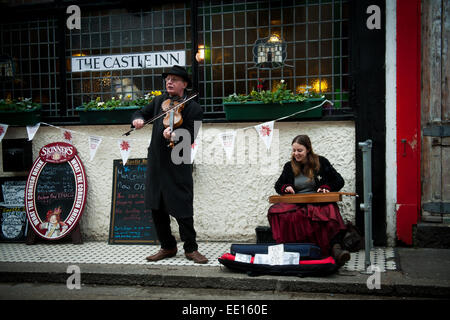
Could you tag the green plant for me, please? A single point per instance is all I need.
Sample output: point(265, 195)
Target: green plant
point(20, 104)
point(97, 104)
point(279, 94)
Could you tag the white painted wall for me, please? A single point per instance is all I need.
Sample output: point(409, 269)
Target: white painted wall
point(230, 196)
point(391, 121)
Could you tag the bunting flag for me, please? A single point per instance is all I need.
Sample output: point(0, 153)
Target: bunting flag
point(265, 131)
point(67, 136)
point(94, 143)
point(3, 128)
point(31, 130)
point(227, 139)
point(125, 149)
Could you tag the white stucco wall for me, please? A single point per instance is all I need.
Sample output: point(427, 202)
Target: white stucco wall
point(391, 121)
point(230, 195)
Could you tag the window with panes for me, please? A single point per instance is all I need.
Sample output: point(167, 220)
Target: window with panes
point(316, 34)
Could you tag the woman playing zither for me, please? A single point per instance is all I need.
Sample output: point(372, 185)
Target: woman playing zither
point(319, 223)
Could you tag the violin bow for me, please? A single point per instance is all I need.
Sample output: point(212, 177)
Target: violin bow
point(192, 96)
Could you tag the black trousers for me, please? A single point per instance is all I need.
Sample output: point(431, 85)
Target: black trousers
point(161, 219)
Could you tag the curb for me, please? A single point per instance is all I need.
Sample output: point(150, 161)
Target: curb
point(393, 283)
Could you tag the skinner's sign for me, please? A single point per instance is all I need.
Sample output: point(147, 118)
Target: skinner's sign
point(129, 61)
point(55, 192)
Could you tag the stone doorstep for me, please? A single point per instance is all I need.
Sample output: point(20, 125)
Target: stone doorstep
point(431, 235)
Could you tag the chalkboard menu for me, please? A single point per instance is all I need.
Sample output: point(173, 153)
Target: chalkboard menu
point(55, 187)
point(12, 191)
point(13, 216)
point(55, 193)
point(131, 223)
point(14, 225)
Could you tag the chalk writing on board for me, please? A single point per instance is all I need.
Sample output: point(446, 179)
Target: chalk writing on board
point(13, 216)
point(13, 193)
point(13, 221)
point(131, 222)
point(55, 187)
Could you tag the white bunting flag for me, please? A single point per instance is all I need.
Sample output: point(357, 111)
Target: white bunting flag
point(125, 149)
point(94, 143)
point(227, 139)
point(67, 136)
point(31, 130)
point(3, 128)
point(194, 148)
point(265, 131)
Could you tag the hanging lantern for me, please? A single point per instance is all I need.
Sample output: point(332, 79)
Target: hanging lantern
point(269, 52)
point(6, 68)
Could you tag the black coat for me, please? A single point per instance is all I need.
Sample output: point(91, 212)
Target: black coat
point(172, 182)
point(327, 177)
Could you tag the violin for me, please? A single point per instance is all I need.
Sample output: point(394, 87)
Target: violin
point(172, 108)
point(169, 107)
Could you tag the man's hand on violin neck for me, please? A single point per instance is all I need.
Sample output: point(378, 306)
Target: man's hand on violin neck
point(166, 133)
point(138, 123)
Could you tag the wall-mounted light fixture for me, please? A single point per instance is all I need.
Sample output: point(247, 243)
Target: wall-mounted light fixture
point(200, 56)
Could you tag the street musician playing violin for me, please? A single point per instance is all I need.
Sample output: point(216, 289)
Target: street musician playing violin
point(319, 223)
point(169, 185)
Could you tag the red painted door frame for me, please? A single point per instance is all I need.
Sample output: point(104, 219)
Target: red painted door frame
point(408, 118)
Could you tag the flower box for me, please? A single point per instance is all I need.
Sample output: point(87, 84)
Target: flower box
point(256, 110)
point(27, 117)
point(118, 115)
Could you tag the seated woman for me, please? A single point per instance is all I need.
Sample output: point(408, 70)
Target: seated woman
point(318, 223)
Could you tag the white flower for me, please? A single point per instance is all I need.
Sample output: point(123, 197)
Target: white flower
point(100, 104)
point(282, 81)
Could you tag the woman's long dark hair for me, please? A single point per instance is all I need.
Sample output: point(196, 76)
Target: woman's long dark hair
point(311, 165)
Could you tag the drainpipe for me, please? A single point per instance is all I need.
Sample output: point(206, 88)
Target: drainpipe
point(366, 148)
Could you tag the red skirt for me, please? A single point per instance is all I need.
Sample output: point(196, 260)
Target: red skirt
point(316, 223)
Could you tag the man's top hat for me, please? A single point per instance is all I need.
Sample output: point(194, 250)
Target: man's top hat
point(178, 71)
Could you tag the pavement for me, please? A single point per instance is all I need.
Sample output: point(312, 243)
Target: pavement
point(405, 272)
